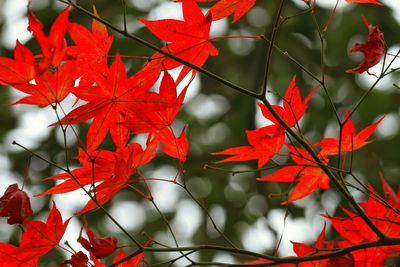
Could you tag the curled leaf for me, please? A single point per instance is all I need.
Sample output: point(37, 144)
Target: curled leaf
point(99, 246)
point(15, 205)
point(372, 49)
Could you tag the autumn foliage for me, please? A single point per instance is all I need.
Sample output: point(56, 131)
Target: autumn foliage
point(119, 105)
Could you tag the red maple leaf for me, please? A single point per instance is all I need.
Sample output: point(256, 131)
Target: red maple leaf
point(99, 246)
point(109, 101)
point(225, 8)
point(365, 2)
point(350, 140)
point(264, 143)
point(134, 262)
point(53, 46)
point(188, 39)
point(15, 205)
point(19, 70)
point(50, 87)
point(91, 47)
point(172, 146)
point(112, 169)
point(38, 239)
point(152, 121)
point(372, 49)
point(355, 231)
point(11, 255)
point(293, 106)
point(302, 249)
point(308, 175)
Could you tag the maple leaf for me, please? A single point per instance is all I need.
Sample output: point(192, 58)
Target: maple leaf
point(11, 255)
point(15, 205)
point(134, 262)
point(355, 230)
point(264, 143)
point(50, 87)
point(78, 259)
point(308, 175)
point(38, 239)
point(293, 106)
point(99, 246)
point(188, 40)
point(350, 140)
point(54, 45)
point(152, 121)
point(375, 2)
point(109, 101)
point(112, 169)
point(172, 146)
point(19, 70)
point(91, 47)
point(225, 8)
point(302, 249)
point(372, 49)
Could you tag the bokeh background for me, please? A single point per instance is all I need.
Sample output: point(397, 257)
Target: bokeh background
point(249, 212)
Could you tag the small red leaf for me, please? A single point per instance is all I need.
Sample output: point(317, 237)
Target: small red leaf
point(79, 259)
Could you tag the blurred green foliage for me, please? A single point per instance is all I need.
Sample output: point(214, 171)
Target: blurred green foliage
point(242, 62)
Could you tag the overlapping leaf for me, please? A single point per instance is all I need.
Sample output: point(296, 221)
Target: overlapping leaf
point(50, 87)
point(350, 140)
point(306, 173)
point(38, 239)
point(264, 143)
point(293, 106)
point(54, 46)
point(91, 47)
point(188, 39)
point(355, 230)
point(109, 101)
point(112, 169)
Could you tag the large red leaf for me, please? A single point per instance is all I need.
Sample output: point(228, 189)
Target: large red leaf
point(109, 101)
